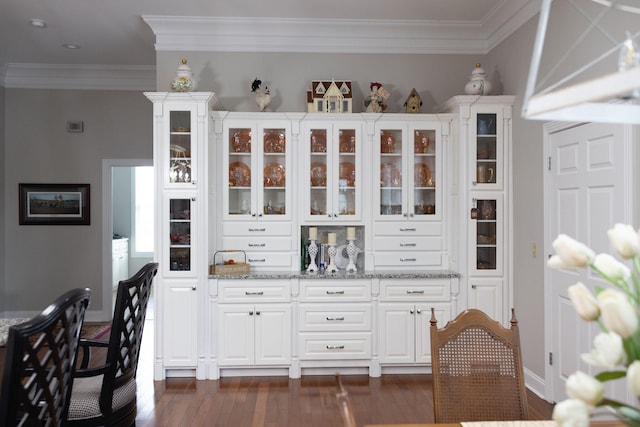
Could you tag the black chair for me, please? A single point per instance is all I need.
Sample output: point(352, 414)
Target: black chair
point(40, 362)
point(106, 394)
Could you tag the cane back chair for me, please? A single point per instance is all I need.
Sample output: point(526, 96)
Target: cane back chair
point(40, 362)
point(106, 394)
point(477, 370)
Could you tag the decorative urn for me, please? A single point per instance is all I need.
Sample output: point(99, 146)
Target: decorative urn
point(478, 83)
point(184, 78)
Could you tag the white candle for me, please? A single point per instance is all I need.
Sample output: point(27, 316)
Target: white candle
point(331, 238)
point(313, 233)
point(351, 232)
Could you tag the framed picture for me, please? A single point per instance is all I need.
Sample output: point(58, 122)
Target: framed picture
point(54, 204)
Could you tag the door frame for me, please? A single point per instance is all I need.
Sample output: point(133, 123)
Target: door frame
point(107, 228)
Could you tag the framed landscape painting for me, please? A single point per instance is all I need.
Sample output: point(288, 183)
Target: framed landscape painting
point(54, 204)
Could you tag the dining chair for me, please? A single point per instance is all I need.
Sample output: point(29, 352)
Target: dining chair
point(477, 370)
point(106, 394)
point(344, 404)
point(40, 361)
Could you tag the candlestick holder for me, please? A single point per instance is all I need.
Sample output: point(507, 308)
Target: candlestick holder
point(352, 252)
point(313, 251)
point(332, 268)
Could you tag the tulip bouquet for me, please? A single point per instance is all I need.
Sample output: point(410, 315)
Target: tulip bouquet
point(615, 309)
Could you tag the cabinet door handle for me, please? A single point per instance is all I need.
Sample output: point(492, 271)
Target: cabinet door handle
point(407, 260)
point(251, 313)
point(418, 311)
point(335, 292)
point(254, 293)
point(257, 260)
point(257, 245)
point(193, 288)
point(407, 229)
point(257, 313)
point(415, 292)
point(335, 347)
point(411, 311)
point(407, 245)
point(193, 199)
point(257, 229)
point(335, 318)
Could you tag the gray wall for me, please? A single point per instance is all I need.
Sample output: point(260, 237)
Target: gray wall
point(41, 262)
point(2, 198)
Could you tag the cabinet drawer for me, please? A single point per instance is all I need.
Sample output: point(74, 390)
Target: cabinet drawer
point(318, 346)
point(407, 229)
point(335, 290)
point(257, 243)
point(269, 259)
point(335, 317)
point(412, 259)
point(254, 291)
point(415, 290)
point(256, 229)
point(407, 243)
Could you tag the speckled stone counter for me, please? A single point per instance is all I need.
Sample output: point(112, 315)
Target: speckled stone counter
point(424, 274)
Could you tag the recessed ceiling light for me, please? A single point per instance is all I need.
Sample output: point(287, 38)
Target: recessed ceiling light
point(39, 23)
point(71, 46)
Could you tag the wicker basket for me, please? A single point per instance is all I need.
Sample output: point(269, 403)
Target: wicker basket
point(218, 267)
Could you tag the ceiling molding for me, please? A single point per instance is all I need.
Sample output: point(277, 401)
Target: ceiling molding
point(65, 76)
point(504, 21)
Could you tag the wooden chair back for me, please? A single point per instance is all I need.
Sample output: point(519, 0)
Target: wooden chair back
point(477, 370)
point(40, 361)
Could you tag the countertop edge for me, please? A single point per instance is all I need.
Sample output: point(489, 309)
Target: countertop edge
point(425, 274)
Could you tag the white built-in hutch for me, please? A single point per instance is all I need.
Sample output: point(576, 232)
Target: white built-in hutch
point(427, 197)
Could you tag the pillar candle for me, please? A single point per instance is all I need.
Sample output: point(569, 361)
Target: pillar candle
point(331, 238)
point(313, 233)
point(351, 232)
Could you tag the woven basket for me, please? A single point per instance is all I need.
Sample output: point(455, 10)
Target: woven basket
point(220, 268)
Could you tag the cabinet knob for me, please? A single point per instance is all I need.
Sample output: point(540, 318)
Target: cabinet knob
point(257, 313)
point(411, 311)
point(259, 215)
point(193, 288)
point(473, 286)
point(193, 182)
point(251, 313)
point(419, 311)
point(193, 199)
point(253, 214)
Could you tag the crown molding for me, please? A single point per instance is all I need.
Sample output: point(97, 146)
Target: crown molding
point(67, 76)
point(507, 18)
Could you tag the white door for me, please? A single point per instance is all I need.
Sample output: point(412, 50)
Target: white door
point(585, 196)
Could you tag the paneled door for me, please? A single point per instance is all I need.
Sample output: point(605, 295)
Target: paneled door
point(585, 196)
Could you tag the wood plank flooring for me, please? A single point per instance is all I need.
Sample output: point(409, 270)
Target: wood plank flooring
point(283, 402)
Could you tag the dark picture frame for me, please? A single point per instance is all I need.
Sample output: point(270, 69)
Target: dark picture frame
point(55, 204)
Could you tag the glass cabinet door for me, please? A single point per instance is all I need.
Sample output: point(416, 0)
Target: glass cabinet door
point(348, 171)
point(488, 152)
point(181, 148)
point(486, 234)
point(422, 200)
point(392, 170)
point(317, 141)
point(180, 230)
point(273, 197)
point(239, 145)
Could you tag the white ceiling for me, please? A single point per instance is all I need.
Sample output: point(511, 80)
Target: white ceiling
point(118, 32)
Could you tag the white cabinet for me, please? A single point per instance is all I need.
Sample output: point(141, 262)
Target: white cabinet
point(254, 323)
point(483, 130)
point(403, 319)
point(180, 135)
point(331, 179)
point(119, 261)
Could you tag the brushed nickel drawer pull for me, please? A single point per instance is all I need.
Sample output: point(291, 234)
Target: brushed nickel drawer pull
point(257, 245)
point(258, 229)
point(415, 292)
point(407, 229)
point(254, 293)
point(260, 260)
point(406, 245)
point(335, 318)
point(335, 347)
point(407, 260)
point(335, 292)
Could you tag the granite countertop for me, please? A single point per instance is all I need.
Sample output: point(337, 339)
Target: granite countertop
point(423, 274)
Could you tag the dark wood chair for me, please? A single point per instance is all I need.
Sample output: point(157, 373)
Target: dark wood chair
point(477, 370)
point(344, 405)
point(40, 362)
point(106, 394)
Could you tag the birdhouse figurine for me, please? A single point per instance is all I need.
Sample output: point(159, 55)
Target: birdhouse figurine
point(184, 78)
point(413, 102)
point(478, 83)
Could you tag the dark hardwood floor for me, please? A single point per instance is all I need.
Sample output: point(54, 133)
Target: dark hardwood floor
point(280, 401)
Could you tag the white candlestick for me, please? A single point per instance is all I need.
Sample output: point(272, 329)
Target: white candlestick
point(351, 233)
point(313, 233)
point(331, 239)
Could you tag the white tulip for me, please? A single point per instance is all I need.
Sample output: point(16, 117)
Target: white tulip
point(557, 263)
point(624, 240)
point(618, 315)
point(611, 267)
point(584, 302)
point(574, 254)
point(571, 413)
point(584, 387)
point(633, 378)
point(608, 351)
